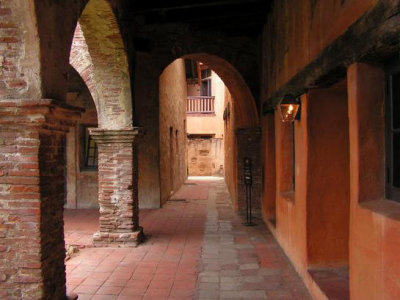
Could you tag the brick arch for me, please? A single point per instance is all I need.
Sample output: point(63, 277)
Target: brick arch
point(98, 54)
point(241, 94)
point(81, 61)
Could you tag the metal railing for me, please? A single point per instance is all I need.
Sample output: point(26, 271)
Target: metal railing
point(200, 105)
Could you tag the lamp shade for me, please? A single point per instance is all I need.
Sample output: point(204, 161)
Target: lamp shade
point(289, 108)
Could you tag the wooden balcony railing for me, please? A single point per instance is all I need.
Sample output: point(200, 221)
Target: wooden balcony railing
point(200, 105)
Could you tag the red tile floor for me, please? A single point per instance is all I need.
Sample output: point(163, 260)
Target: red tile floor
point(196, 248)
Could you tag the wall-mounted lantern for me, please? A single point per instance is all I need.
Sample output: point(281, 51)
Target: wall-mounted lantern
point(289, 108)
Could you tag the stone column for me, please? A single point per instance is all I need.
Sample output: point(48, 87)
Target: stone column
point(32, 185)
point(118, 187)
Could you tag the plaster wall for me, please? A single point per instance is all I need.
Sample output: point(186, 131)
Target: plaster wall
point(298, 31)
point(230, 148)
point(209, 124)
point(173, 153)
point(268, 202)
point(146, 108)
point(375, 221)
point(328, 199)
point(312, 215)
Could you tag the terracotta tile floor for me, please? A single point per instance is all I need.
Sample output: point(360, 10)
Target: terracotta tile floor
point(196, 249)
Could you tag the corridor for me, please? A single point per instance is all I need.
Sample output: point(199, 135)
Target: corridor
point(196, 248)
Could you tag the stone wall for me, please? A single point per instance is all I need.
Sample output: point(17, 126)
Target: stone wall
point(205, 157)
point(173, 154)
point(32, 144)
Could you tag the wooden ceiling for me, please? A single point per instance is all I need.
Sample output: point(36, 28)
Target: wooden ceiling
point(246, 16)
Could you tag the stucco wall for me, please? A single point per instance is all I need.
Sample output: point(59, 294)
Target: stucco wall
point(230, 125)
point(375, 221)
point(312, 216)
point(328, 199)
point(297, 31)
point(146, 109)
point(205, 157)
point(173, 154)
point(209, 124)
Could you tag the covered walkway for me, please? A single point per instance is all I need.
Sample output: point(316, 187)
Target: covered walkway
point(197, 248)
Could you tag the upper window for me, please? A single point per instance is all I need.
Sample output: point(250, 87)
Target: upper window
point(206, 87)
point(393, 134)
point(192, 74)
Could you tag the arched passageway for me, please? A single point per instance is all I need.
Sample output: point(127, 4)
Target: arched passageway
point(148, 93)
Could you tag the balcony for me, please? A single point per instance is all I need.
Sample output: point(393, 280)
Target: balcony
point(200, 105)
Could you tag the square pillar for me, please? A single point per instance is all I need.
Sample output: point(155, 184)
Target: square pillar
point(249, 145)
point(32, 185)
point(118, 187)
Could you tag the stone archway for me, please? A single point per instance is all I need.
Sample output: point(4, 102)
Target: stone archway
point(148, 69)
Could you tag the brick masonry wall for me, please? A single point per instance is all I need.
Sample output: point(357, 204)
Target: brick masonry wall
point(118, 194)
point(32, 135)
point(249, 145)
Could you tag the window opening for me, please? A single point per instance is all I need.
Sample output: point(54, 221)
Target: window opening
point(393, 134)
point(91, 152)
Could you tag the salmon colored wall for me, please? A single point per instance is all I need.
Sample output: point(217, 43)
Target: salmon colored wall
point(375, 221)
point(328, 199)
point(297, 31)
point(230, 148)
point(291, 204)
point(269, 186)
point(173, 97)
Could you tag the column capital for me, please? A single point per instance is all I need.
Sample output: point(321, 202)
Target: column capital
point(128, 135)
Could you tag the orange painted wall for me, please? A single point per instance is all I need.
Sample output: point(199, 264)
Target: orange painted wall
point(268, 202)
point(375, 221)
point(230, 126)
point(312, 219)
point(328, 199)
point(298, 31)
point(291, 204)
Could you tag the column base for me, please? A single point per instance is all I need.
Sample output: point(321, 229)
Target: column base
point(118, 239)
